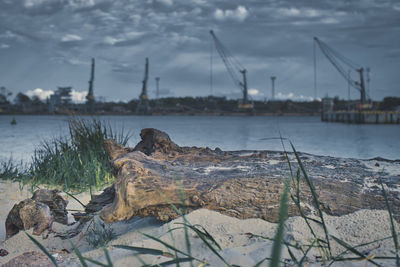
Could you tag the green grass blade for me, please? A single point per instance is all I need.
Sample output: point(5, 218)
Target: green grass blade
point(187, 241)
point(277, 245)
point(205, 233)
point(174, 261)
point(142, 250)
point(362, 258)
point(83, 205)
point(79, 254)
point(42, 248)
point(95, 262)
point(362, 245)
point(305, 254)
point(204, 238)
point(168, 245)
point(314, 196)
point(108, 258)
point(262, 261)
point(353, 250)
point(393, 229)
point(292, 256)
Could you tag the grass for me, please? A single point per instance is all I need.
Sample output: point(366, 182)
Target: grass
point(290, 191)
point(76, 162)
point(9, 170)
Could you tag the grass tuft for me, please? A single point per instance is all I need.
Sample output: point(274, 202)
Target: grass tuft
point(77, 162)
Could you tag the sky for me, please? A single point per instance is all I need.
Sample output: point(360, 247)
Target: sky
point(49, 43)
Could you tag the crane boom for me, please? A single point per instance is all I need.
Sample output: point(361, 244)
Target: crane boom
point(335, 58)
point(233, 67)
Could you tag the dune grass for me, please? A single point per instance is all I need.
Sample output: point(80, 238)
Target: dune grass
point(291, 191)
point(76, 162)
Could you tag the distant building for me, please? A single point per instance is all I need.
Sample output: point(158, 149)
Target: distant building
point(327, 104)
point(60, 99)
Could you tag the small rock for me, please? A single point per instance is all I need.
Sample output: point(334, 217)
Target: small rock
point(3, 252)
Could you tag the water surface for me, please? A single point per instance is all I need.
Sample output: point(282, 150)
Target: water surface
point(308, 134)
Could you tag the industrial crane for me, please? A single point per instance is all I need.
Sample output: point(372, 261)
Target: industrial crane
point(338, 61)
point(234, 68)
point(90, 95)
point(143, 105)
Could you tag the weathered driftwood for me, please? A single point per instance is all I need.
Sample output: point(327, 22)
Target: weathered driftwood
point(38, 212)
point(27, 214)
point(242, 184)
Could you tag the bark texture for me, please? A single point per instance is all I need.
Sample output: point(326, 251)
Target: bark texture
point(243, 184)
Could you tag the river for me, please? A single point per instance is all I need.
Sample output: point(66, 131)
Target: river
point(308, 134)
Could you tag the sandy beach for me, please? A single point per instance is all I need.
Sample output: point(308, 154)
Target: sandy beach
point(237, 238)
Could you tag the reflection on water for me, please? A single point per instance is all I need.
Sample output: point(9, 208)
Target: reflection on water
point(308, 134)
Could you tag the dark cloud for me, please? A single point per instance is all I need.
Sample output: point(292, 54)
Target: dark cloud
point(58, 37)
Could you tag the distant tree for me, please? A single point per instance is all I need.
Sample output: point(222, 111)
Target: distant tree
point(4, 95)
point(36, 100)
point(390, 103)
point(21, 99)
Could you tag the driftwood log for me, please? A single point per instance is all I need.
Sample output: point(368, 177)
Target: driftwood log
point(243, 184)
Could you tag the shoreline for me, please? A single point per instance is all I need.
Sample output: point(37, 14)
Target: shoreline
point(233, 114)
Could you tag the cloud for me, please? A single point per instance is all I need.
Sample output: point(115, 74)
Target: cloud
point(78, 97)
point(166, 2)
point(110, 40)
point(329, 21)
point(71, 38)
point(126, 39)
point(180, 38)
point(238, 14)
point(81, 3)
point(253, 92)
point(123, 67)
point(292, 96)
point(42, 94)
point(4, 46)
point(295, 12)
point(33, 3)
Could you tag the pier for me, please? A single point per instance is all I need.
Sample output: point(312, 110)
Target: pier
point(362, 117)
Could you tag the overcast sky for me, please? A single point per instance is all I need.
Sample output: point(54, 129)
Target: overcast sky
point(49, 43)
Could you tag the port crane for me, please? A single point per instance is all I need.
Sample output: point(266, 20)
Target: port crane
point(143, 105)
point(90, 95)
point(338, 61)
point(234, 68)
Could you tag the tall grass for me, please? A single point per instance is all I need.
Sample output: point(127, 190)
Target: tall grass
point(77, 161)
point(9, 170)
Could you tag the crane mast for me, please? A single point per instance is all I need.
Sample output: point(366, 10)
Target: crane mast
point(143, 107)
point(337, 60)
point(90, 95)
point(233, 67)
point(143, 95)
